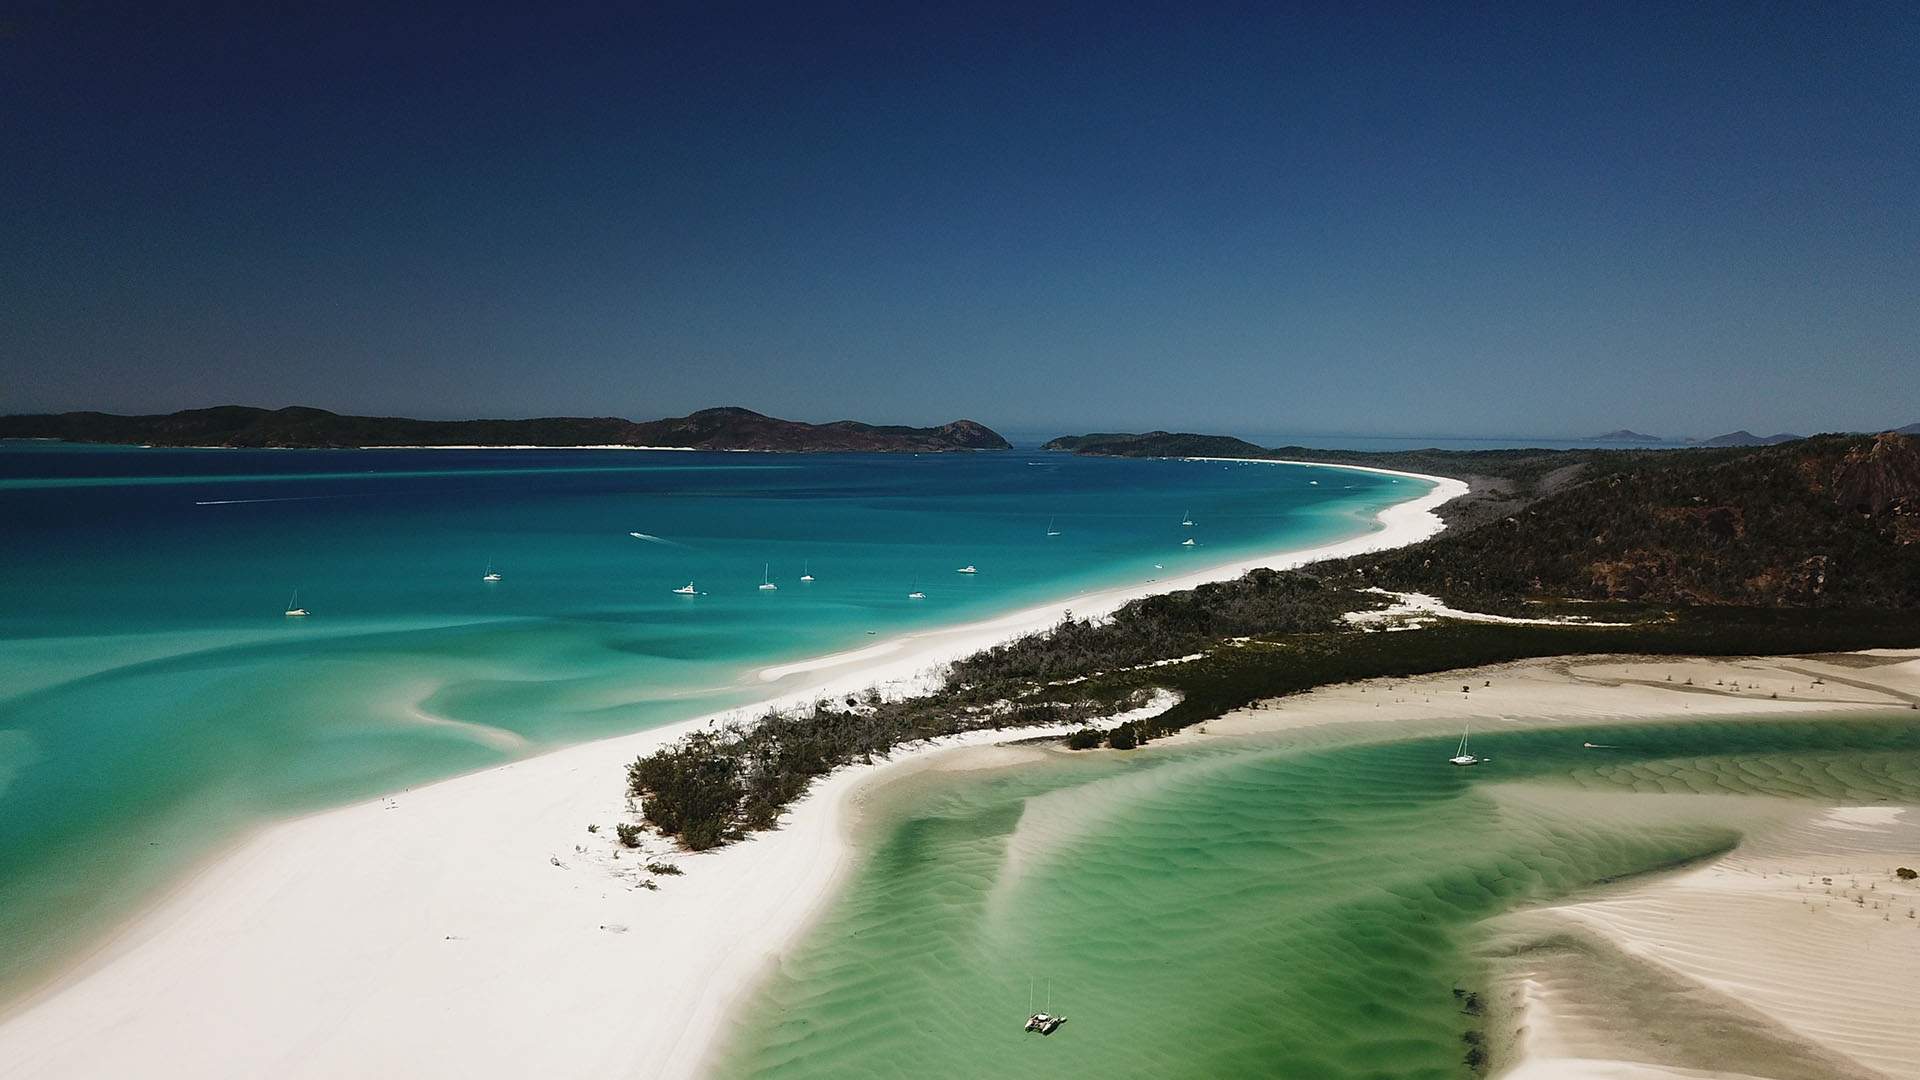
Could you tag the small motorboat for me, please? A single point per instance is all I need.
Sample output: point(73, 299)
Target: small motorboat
point(916, 595)
point(967, 569)
point(1188, 542)
point(687, 590)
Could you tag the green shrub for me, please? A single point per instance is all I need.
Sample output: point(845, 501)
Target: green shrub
point(1085, 739)
point(629, 834)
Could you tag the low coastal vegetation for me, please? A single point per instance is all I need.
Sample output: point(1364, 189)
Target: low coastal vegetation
point(713, 786)
point(1802, 547)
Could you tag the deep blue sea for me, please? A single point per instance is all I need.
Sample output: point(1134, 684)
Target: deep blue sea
point(155, 700)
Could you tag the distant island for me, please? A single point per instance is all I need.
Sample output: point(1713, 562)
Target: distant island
point(298, 427)
point(1744, 437)
point(1626, 435)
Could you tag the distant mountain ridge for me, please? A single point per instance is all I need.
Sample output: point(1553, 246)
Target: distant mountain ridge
point(1627, 435)
point(727, 428)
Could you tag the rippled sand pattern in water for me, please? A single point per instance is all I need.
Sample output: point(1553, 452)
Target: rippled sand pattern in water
point(1259, 910)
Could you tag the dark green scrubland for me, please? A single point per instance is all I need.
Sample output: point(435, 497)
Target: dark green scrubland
point(1803, 547)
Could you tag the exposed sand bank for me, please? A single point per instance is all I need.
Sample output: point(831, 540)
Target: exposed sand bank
point(1794, 952)
point(1792, 956)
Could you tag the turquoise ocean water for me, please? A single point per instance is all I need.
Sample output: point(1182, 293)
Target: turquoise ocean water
point(154, 700)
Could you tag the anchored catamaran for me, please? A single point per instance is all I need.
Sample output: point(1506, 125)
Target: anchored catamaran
point(1044, 1023)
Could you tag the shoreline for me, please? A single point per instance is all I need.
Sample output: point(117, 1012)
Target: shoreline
point(908, 656)
point(323, 927)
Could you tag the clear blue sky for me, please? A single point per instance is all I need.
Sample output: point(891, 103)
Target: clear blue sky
point(1533, 219)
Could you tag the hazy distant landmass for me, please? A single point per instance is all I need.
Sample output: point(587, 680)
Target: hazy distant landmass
point(1625, 435)
point(1744, 437)
point(1157, 444)
point(296, 426)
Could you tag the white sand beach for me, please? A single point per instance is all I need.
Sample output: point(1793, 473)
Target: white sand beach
point(474, 927)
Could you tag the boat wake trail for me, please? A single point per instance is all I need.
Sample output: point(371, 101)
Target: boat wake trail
point(283, 498)
point(652, 539)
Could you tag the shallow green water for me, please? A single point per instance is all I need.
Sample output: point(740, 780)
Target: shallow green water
point(1255, 910)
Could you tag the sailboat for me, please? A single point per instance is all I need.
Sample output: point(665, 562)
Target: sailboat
point(806, 571)
point(491, 574)
point(1188, 542)
point(687, 590)
point(294, 610)
point(1186, 518)
point(766, 579)
point(1044, 1023)
point(916, 594)
point(1051, 531)
point(1462, 757)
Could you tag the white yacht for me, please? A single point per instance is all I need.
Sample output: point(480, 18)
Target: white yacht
point(1461, 757)
point(806, 571)
point(1051, 531)
point(967, 569)
point(294, 610)
point(916, 595)
point(1188, 542)
point(687, 590)
point(766, 579)
point(1187, 518)
point(491, 574)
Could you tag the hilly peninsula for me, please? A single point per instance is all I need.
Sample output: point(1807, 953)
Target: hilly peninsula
point(300, 427)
